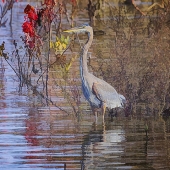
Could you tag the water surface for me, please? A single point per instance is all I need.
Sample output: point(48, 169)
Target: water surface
point(43, 137)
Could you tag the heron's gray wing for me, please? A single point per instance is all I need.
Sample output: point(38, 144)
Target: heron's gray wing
point(106, 93)
point(95, 91)
point(123, 99)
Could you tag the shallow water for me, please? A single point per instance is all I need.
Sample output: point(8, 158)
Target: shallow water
point(44, 138)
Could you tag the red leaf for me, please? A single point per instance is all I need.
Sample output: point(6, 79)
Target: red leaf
point(28, 28)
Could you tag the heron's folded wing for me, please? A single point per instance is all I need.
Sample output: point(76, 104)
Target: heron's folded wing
point(107, 94)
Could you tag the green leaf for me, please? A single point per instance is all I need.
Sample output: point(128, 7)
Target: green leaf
point(64, 46)
point(62, 38)
point(67, 40)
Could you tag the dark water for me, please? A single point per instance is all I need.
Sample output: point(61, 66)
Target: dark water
point(44, 138)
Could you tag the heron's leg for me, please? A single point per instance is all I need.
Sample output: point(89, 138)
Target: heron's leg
point(103, 109)
point(94, 112)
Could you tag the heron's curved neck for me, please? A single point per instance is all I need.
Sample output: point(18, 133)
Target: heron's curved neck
point(83, 58)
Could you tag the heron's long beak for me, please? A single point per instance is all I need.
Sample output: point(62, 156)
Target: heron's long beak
point(75, 29)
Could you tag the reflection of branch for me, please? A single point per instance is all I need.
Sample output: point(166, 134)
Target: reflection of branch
point(12, 68)
point(33, 88)
point(8, 5)
point(66, 94)
point(164, 98)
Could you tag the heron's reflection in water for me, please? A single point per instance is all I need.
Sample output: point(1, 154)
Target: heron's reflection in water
point(103, 146)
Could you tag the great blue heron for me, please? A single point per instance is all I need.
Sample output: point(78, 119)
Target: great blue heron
point(97, 92)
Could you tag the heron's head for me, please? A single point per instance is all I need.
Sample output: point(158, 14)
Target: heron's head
point(83, 28)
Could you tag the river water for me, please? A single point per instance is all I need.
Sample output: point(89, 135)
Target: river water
point(43, 137)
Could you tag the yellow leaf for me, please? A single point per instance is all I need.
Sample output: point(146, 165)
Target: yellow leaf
point(58, 43)
point(60, 47)
point(68, 65)
point(64, 46)
point(51, 44)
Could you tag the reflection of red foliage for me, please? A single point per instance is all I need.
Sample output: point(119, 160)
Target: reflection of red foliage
point(31, 133)
point(28, 28)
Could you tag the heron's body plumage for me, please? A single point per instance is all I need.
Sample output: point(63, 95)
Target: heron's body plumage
point(106, 93)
